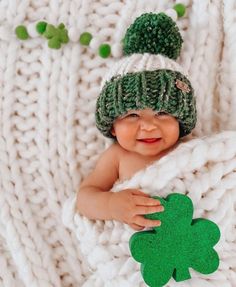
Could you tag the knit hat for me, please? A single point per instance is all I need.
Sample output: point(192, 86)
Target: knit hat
point(148, 76)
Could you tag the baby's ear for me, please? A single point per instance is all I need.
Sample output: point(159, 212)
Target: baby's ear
point(113, 131)
point(181, 131)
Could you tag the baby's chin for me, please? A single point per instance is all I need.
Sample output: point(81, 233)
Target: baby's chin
point(149, 154)
point(153, 152)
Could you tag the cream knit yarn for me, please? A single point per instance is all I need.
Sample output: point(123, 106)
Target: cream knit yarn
point(48, 138)
point(140, 62)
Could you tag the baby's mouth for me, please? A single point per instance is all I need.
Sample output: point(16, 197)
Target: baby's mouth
point(149, 140)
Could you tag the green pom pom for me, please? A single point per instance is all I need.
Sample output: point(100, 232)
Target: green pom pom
point(85, 38)
point(180, 9)
point(104, 50)
point(21, 32)
point(154, 34)
point(41, 27)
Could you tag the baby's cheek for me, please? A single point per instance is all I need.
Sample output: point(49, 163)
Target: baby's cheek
point(173, 134)
point(125, 131)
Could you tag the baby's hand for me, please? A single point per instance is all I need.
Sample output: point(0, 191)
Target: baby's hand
point(129, 206)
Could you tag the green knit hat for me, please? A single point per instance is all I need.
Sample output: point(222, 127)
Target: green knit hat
point(148, 77)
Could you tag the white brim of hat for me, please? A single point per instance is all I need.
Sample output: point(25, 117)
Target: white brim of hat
point(141, 62)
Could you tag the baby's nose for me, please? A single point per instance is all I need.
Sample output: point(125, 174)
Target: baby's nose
point(148, 125)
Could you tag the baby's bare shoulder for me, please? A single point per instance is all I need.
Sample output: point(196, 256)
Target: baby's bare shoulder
point(106, 170)
point(109, 158)
point(114, 150)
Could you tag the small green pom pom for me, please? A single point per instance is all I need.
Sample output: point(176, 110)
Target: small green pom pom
point(41, 27)
point(85, 38)
point(21, 32)
point(180, 9)
point(104, 50)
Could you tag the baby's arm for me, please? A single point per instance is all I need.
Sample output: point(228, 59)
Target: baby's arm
point(96, 201)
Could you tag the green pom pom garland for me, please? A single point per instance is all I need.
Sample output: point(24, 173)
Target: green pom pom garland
point(104, 50)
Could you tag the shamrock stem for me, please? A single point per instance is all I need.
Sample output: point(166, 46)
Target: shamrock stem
point(181, 274)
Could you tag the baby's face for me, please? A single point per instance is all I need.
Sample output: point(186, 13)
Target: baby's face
point(146, 132)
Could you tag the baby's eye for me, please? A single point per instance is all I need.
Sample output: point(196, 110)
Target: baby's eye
point(132, 115)
point(159, 114)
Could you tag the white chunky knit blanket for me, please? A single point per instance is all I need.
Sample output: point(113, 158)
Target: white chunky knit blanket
point(205, 169)
point(48, 141)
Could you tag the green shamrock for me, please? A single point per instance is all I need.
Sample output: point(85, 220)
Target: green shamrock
point(56, 35)
point(179, 243)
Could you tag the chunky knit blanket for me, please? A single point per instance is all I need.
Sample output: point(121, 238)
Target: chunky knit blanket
point(205, 169)
point(48, 141)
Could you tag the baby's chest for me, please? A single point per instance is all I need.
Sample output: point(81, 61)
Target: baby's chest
point(128, 166)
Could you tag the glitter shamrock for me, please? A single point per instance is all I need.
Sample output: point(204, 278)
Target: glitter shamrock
point(179, 243)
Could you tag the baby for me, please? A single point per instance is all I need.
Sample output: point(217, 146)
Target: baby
point(146, 105)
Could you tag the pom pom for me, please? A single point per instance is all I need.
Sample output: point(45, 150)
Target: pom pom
point(31, 30)
point(21, 32)
point(85, 38)
point(180, 9)
point(172, 14)
point(41, 27)
point(73, 34)
point(116, 50)
point(5, 32)
point(104, 50)
point(154, 34)
point(94, 44)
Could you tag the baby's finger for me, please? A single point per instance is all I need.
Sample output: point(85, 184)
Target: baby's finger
point(148, 201)
point(141, 221)
point(136, 227)
point(139, 192)
point(148, 209)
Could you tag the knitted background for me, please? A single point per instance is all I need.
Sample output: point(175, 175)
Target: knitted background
point(48, 138)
